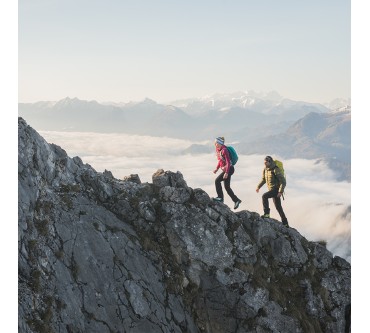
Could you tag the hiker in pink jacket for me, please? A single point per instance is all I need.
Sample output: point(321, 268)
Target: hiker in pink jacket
point(227, 168)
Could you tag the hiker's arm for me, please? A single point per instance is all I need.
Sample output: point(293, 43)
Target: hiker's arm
point(260, 185)
point(217, 166)
point(262, 182)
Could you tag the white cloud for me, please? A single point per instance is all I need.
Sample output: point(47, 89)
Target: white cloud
point(315, 203)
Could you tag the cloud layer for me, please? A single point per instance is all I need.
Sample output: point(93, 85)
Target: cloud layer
point(315, 204)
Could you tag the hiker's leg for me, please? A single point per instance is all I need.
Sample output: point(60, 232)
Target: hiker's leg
point(228, 189)
point(279, 208)
point(218, 181)
point(265, 200)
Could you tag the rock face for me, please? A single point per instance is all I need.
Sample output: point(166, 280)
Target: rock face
point(99, 254)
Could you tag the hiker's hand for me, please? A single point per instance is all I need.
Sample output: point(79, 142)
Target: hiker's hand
point(279, 195)
point(257, 190)
point(226, 175)
point(215, 170)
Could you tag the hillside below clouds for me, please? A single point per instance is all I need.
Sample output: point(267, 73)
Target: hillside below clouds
point(100, 254)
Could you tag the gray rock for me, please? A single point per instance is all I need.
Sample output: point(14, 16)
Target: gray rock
point(133, 178)
point(99, 254)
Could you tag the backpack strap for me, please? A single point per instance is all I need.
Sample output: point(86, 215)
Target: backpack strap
point(222, 155)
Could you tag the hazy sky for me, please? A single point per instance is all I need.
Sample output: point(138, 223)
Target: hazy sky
point(121, 50)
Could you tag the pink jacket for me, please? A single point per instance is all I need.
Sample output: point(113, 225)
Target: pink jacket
point(223, 159)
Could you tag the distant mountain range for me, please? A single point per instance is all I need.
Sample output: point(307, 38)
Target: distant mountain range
point(255, 123)
point(201, 119)
point(324, 136)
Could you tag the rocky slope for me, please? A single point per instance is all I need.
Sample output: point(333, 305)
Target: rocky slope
point(99, 254)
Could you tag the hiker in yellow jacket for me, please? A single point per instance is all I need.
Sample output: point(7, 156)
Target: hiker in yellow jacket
point(275, 180)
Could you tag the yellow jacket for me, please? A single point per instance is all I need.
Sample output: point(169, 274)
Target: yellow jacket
point(273, 177)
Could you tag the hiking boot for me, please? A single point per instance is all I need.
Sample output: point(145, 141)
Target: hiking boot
point(218, 199)
point(285, 223)
point(237, 204)
point(265, 215)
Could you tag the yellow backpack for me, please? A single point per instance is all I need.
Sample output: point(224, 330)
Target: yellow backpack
point(280, 165)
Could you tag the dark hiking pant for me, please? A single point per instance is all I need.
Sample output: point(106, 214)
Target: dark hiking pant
point(226, 181)
point(277, 202)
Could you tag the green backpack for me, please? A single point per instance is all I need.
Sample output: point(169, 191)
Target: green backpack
point(233, 155)
point(280, 165)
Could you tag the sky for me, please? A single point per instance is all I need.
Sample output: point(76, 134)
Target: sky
point(128, 50)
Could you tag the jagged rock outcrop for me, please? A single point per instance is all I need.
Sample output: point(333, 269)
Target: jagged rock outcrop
point(99, 254)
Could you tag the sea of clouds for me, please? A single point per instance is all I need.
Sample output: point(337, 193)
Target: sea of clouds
point(315, 204)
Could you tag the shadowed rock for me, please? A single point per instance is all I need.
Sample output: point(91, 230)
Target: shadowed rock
point(99, 254)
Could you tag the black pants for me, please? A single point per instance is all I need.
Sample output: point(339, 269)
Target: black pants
point(265, 201)
point(226, 181)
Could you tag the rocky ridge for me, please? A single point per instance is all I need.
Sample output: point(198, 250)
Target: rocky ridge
point(100, 254)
